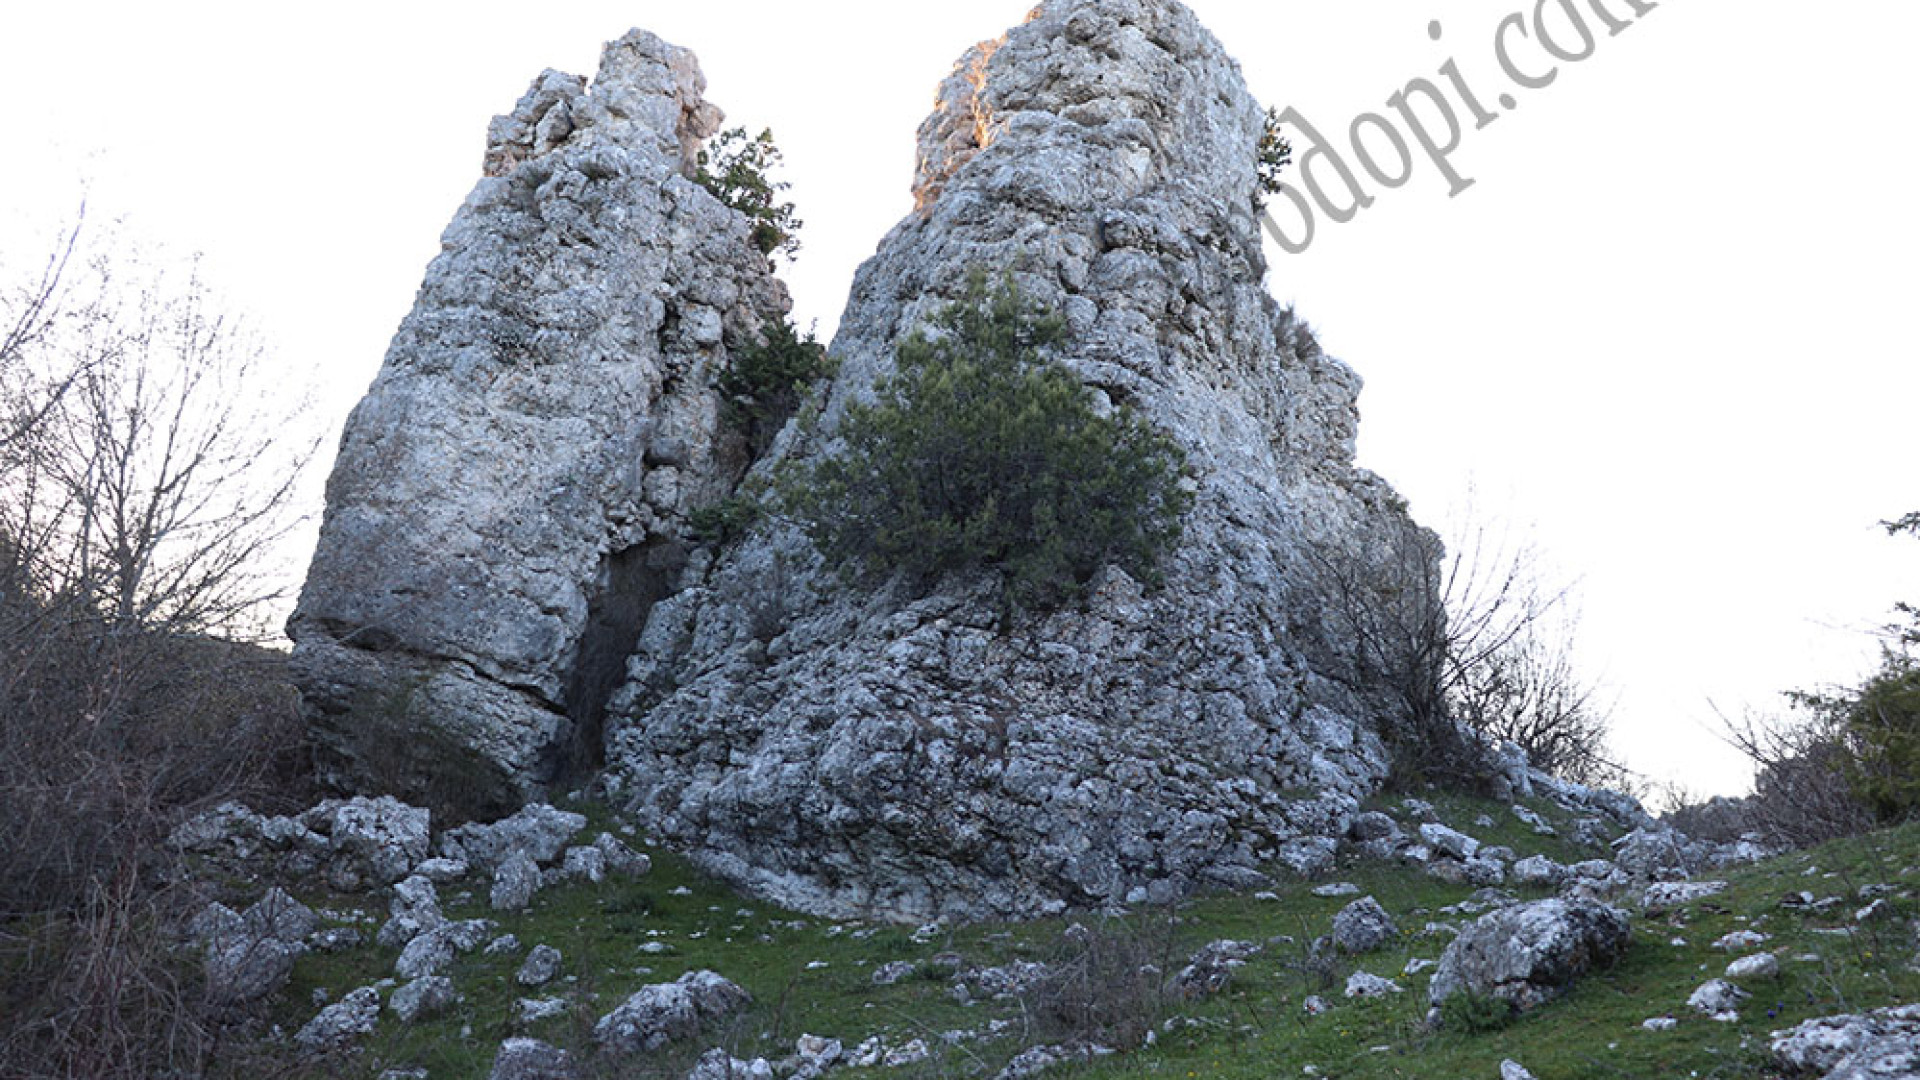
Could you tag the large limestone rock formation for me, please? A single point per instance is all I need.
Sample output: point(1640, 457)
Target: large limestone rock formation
point(882, 751)
point(509, 495)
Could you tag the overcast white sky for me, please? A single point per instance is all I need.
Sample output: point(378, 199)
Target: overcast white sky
point(1664, 335)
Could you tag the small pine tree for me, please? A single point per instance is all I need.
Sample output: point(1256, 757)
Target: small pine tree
point(765, 381)
point(981, 452)
point(1274, 154)
point(735, 169)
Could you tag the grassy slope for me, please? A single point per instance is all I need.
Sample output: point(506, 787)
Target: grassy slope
point(812, 976)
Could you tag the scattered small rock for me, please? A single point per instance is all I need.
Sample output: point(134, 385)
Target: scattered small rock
point(1363, 926)
point(668, 1012)
point(1758, 966)
point(540, 967)
point(342, 1023)
point(423, 998)
point(1360, 984)
point(1739, 940)
point(515, 881)
point(717, 1064)
point(534, 1010)
point(1718, 999)
point(892, 972)
point(531, 1059)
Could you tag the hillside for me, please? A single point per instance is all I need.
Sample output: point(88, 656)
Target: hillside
point(952, 1001)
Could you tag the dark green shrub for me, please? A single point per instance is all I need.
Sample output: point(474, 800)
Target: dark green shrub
point(765, 381)
point(1880, 726)
point(735, 168)
point(725, 521)
point(980, 452)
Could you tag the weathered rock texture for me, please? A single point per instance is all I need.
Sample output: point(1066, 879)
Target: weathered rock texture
point(509, 495)
point(1529, 954)
point(856, 750)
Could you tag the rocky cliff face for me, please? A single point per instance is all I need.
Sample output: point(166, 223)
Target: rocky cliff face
point(887, 752)
point(509, 495)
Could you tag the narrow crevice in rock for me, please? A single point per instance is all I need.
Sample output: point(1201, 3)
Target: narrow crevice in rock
point(628, 584)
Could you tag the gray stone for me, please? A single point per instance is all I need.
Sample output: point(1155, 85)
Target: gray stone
point(534, 1010)
point(413, 910)
point(1652, 854)
point(1739, 939)
point(1363, 926)
point(246, 968)
point(1374, 825)
point(1664, 896)
point(882, 749)
point(717, 1064)
point(371, 842)
point(584, 863)
point(342, 1023)
point(1530, 953)
point(434, 949)
point(1718, 999)
point(1513, 1070)
point(427, 954)
point(892, 972)
point(540, 967)
point(540, 831)
point(279, 916)
point(1880, 1045)
point(216, 922)
point(1758, 966)
point(813, 1055)
point(338, 939)
point(442, 871)
point(1360, 984)
point(1211, 969)
point(1450, 842)
point(499, 484)
point(622, 859)
point(1540, 872)
point(1035, 1060)
point(1308, 856)
point(514, 883)
point(423, 998)
point(668, 1012)
point(531, 1059)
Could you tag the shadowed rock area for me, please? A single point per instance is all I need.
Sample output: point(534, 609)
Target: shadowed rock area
point(893, 752)
point(509, 496)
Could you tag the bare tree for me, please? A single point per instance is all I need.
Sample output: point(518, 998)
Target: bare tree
point(149, 465)
point(1529, 692)
point(1457, 645)
point(145, 470)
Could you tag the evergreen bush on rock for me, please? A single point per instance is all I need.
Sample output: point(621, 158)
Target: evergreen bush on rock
point(982, 452)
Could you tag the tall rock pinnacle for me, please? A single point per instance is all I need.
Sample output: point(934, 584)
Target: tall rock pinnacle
point(509, 496)
point(903, 754)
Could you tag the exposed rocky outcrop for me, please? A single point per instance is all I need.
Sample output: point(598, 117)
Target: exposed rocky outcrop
point(887, 751)
point(510, 494)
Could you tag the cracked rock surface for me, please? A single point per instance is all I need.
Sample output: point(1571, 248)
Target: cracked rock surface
point(880, 750)
point(543, 423)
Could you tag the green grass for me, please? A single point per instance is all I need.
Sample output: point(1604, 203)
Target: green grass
point(814, 976)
